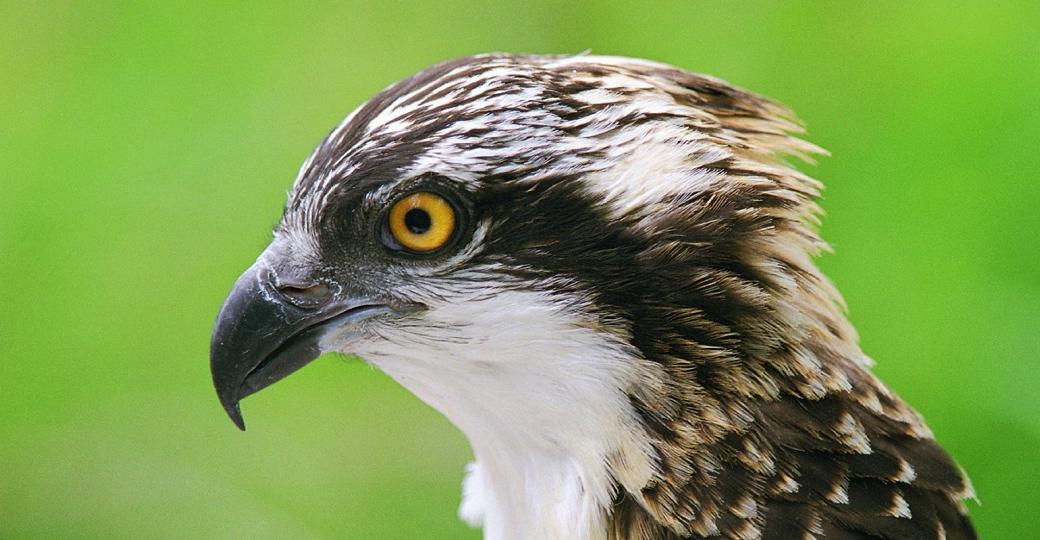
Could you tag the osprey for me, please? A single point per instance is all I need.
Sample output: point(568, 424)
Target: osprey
point(600, 269)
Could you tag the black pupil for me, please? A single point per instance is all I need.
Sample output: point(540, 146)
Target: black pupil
point(418, 221)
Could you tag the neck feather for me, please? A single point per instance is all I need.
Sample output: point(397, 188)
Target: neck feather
point(542, 395)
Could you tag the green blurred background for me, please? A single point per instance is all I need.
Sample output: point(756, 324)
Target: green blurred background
point(145, 153)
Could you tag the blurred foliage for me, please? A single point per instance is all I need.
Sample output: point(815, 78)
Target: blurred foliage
point(145, 153)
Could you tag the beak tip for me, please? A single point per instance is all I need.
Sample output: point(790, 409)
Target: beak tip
point(235, 414)
point(237, 419)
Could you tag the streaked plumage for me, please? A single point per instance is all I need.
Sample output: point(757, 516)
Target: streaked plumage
point(629, 327)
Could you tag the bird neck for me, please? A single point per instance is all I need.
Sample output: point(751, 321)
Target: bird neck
point(555, 477)
point(514, 493)
point(540, 393)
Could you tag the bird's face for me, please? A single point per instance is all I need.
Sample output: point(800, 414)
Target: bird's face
point(535, 246)
point(452, 244)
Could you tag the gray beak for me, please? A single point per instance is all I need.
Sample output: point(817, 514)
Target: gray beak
point(262, 335)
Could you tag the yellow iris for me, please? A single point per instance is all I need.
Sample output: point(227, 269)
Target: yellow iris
point(422, 221)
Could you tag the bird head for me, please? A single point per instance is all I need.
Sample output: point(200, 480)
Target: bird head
point(599, 263)
point(493, 209)
point(531, 244)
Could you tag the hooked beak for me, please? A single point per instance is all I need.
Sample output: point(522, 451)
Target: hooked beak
point(261, 336)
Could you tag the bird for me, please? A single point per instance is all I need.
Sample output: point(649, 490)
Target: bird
point(601, 270)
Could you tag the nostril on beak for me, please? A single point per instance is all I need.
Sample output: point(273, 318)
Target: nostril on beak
point(306, 296)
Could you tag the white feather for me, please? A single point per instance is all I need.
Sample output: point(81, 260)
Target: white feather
point(538, 388)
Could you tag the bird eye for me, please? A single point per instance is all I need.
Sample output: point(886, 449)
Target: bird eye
point(421, 222)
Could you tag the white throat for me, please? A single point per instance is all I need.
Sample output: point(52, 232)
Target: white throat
point(539, 390)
